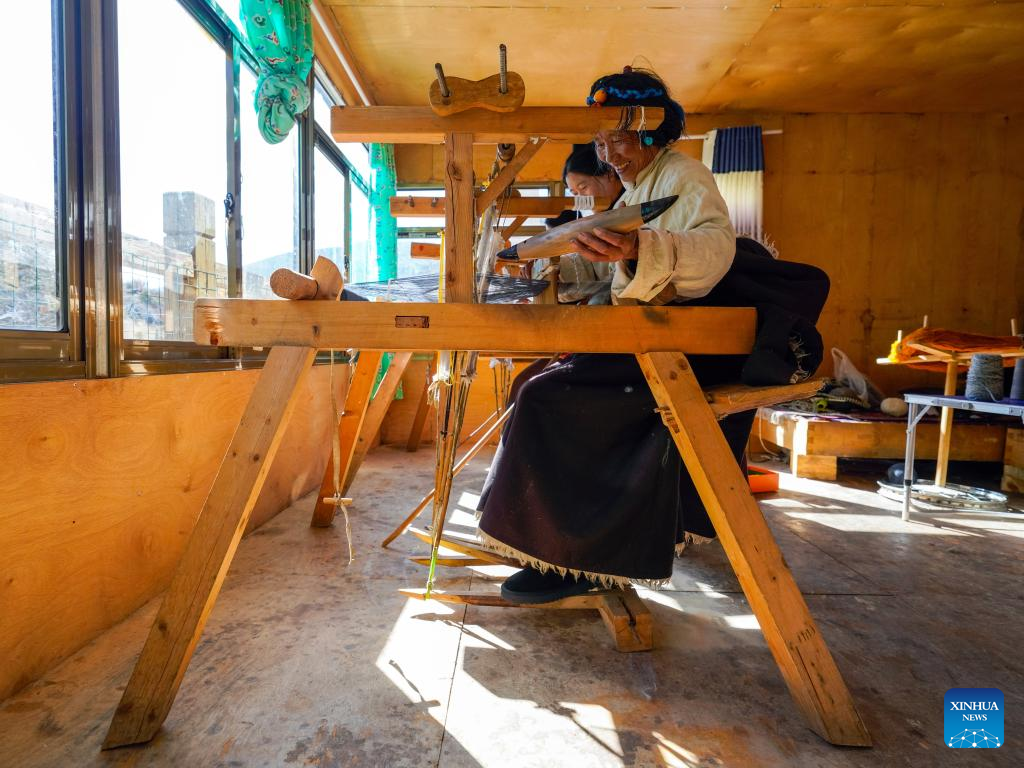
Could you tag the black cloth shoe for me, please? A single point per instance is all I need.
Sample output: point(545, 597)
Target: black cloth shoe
point(530, 586)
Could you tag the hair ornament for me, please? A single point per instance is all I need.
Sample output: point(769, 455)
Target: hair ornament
point(633, 93)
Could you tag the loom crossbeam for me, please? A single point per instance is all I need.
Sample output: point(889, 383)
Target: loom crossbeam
point(510, 328)
point(420, 125)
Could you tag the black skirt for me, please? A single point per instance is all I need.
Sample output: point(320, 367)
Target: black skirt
point(586, 476)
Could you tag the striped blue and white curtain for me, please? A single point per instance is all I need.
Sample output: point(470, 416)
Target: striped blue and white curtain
point(736, 158)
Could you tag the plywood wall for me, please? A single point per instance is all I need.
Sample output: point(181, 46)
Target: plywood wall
point(909, 214)
point(101, 484)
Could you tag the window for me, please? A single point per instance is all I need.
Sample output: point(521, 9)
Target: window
point(173, 158)
point(31, 253)
point(330, 208)
point(357, 155)
point(269, 196)
point(363, 265)
point(418, 229)
point(134, 125)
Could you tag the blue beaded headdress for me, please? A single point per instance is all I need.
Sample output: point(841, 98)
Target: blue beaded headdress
point(631, 88)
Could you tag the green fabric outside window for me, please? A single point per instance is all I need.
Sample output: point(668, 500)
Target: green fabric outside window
point(383, 182)
point(281, 35)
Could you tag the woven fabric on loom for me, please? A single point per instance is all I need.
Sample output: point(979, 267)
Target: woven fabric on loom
point(500, 289)
point(951, 341)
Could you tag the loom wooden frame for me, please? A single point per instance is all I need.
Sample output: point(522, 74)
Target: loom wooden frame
point(289, 328)
point(659, 337)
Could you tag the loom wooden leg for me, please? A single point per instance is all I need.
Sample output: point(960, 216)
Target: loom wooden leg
point(791, 633)
point(349, 426)
point(210, 550)
point(375, 413)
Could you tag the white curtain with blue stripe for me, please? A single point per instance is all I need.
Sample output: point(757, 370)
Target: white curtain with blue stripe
point(736, 158)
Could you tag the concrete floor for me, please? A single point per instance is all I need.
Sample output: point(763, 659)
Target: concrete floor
point(307, 661)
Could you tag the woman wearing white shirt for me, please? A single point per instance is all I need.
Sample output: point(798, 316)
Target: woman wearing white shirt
point(587, 487)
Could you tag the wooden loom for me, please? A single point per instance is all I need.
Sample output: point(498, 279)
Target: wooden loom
point(659, 337)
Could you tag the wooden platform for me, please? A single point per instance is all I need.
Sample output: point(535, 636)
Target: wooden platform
point(815, 445)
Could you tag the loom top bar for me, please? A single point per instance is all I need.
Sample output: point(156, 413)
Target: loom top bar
point(420, 125)
point(401, 327)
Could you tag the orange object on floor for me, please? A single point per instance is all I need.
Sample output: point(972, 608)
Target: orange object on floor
point(762, 480)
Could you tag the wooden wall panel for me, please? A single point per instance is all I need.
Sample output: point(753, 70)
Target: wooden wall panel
point(101, 483)
point(910, 215)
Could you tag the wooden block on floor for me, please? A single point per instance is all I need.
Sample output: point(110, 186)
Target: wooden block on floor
point(814, 467)
point(628, 620)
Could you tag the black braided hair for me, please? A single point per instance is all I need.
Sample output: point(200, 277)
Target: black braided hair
point(634, 88)
point(583, 160)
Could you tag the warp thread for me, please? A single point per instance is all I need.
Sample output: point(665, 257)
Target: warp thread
point(1017, 384)
point(985, 378)
point(583, 203)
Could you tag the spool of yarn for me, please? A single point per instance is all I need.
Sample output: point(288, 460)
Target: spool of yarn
point(985, 378)
point(1017, 385)
point(893, 406)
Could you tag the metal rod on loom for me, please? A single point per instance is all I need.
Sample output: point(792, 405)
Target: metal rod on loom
point(441, 82)
point(503, 68)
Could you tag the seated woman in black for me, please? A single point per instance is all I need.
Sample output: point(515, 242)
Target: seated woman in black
point(587, 487)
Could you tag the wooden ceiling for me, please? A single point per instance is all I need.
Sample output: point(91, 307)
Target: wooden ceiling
point(716, 55)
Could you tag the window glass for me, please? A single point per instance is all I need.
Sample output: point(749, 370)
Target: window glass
point(357, 155)
point(329, 209)
point(408, 266)
point(363, 266)
point(268, 199)
point(534, 192)
point(173, 118)
point(31, 285)
point(322, 107)
point(230, 8)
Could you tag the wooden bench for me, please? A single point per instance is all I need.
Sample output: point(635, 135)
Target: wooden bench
point(815, 445)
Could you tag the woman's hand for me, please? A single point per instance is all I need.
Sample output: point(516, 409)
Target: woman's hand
point(605, 245)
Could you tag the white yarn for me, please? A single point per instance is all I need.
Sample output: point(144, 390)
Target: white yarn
point(583, 203)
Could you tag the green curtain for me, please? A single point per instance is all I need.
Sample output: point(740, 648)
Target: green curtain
point(281, 35)
point(385, 229)
point(382, 188)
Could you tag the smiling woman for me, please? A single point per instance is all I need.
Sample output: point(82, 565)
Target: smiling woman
point(620, 501)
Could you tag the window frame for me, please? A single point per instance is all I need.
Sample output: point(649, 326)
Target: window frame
point(27, 354)
point(88, 230)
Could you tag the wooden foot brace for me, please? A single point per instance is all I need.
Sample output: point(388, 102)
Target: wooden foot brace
point(623, 612)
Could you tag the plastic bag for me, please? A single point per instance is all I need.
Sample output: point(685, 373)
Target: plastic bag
point(846, 373)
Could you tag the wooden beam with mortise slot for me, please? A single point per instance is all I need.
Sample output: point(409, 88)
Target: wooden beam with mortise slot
point(421, 125)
